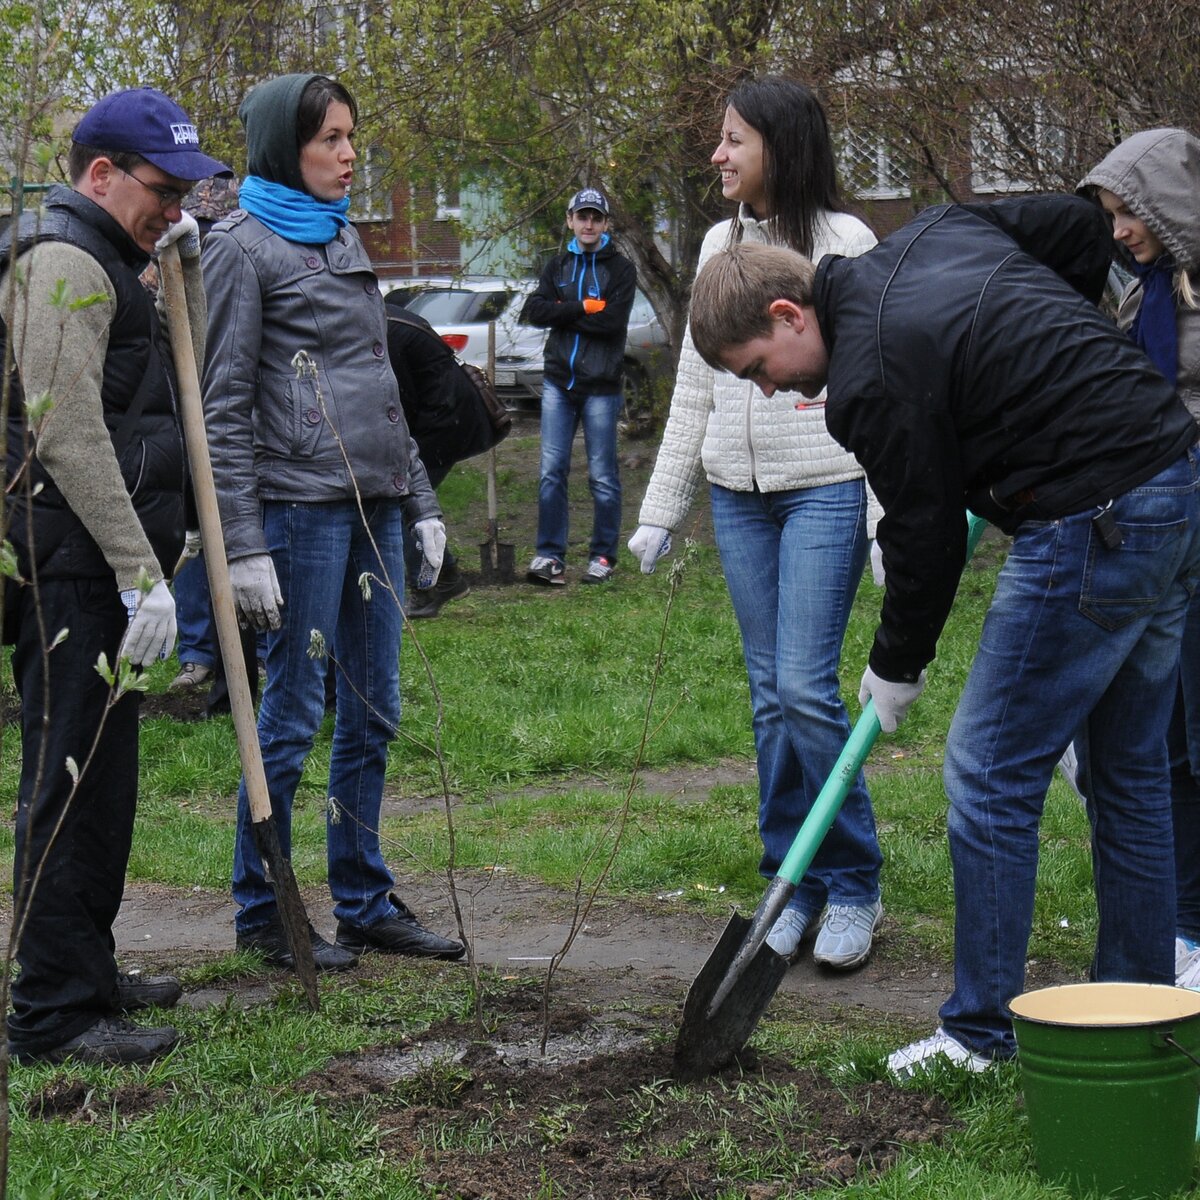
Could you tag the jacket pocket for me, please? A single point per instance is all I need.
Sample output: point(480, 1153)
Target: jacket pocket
point(289, 419)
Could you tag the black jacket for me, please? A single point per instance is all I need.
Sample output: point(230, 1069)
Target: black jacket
point(444, 412)
point(970, 368)
point(585, 351)
point(138, 395)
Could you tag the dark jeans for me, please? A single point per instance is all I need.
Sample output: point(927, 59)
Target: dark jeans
point(79, 836)
point(1183, 748)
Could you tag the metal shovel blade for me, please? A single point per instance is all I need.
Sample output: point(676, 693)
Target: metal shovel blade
point(707, 1040)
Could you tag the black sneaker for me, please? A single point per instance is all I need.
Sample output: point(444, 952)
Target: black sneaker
point(270, 942)
point(428, 602)
point(546, 571)
point(599, 570)
point(400, 934)
point(110, 1040)
point(135, 991)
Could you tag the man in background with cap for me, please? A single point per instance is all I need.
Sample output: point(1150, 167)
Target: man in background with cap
point(96, 474)
point(583, 298)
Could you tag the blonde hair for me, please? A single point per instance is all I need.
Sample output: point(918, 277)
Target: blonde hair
point(1186, 290)
point(735, 288)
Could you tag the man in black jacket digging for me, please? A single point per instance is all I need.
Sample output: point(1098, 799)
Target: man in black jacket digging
point(967, 366)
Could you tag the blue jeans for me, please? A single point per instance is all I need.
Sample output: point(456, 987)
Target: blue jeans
point(193, 611)
point(561, 417)
point(1077, 637)
point(1183, 749)
point(792, 562)
point(320, 551)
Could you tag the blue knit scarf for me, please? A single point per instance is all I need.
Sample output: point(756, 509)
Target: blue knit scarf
point(1154, 326)
point(293, 215)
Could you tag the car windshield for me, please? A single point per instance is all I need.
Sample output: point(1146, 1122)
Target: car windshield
point(458, 306)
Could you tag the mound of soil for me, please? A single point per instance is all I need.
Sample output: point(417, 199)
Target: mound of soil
point(600, 1116)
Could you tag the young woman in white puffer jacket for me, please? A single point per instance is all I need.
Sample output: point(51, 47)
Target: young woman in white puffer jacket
point(790, 510)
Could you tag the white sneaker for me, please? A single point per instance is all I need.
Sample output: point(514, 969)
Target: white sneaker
point(1187, 963)
point(846, 935)
point(928, 1052)
point(788, 932)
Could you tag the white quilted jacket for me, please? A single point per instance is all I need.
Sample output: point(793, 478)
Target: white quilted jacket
point(729, 427)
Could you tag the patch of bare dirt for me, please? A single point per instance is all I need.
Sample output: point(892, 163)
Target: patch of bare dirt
point(67, 1098)
point(486, 1119)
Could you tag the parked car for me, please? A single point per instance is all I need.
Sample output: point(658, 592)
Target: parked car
point(460, 312)
point(399, 290)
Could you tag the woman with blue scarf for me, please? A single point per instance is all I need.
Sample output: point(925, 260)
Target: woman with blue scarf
point(315, 469)
point(1150, 186)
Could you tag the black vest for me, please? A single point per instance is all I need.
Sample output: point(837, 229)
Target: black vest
point(138, 397)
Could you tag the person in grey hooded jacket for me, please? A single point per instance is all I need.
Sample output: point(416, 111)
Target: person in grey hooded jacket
point(314, 466)
point(1149, 185)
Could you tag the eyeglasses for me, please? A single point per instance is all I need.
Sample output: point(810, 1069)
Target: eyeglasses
point(166, 197)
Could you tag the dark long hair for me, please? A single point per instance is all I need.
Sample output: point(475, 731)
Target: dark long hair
point(319, 93)
point(798, 166)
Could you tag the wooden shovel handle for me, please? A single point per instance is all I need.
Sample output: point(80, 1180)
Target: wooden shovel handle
point(240, 701)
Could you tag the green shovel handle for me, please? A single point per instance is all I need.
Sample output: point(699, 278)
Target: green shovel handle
point(862, 737)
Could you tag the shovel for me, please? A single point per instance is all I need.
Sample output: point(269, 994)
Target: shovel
point(262, 821)
point(742, 973)
point(496, 558)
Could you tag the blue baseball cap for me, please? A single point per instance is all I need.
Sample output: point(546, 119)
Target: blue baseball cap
point(144, 121)
point(589, 198)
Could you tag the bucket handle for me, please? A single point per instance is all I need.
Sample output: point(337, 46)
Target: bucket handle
point(1169, 1040)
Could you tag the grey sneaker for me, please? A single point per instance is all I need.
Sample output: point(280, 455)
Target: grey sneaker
point(929, 1052)
point(599, 570)
point(788, 932)
point(190, 674)
point(545, 571)
point(844, 941)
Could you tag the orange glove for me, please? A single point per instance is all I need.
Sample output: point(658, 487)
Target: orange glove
point(593, 306)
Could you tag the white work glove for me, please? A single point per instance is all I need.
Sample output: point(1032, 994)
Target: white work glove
point(431, 537)
point(186, 232)
point(151, 632)
point(892, 700)
point(256, 594)
point(192, 545)
point(650, 543)
point(877, 563)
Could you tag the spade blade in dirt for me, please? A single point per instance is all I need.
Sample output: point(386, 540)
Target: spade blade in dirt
point(708, 1041)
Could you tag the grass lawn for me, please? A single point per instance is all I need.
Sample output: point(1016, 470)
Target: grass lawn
point(533, 709)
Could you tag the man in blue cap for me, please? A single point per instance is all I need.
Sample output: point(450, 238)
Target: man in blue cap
point(583, 297)
point(96, 518)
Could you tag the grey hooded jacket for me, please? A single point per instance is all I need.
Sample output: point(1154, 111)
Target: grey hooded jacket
point(1157, 174)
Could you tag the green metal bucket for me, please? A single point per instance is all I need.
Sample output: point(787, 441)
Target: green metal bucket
point(1111, 1073)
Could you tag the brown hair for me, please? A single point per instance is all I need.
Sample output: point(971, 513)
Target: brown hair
point(734, 289)
point(80, 157)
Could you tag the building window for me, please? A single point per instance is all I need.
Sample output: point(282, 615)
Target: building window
point(870, 168)
point(371, 192)
point(1013, 147)
point(446, 209)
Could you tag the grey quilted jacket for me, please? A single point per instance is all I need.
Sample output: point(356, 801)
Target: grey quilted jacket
point(299, 398)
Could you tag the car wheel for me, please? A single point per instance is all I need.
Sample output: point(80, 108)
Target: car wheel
point(637, 415)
